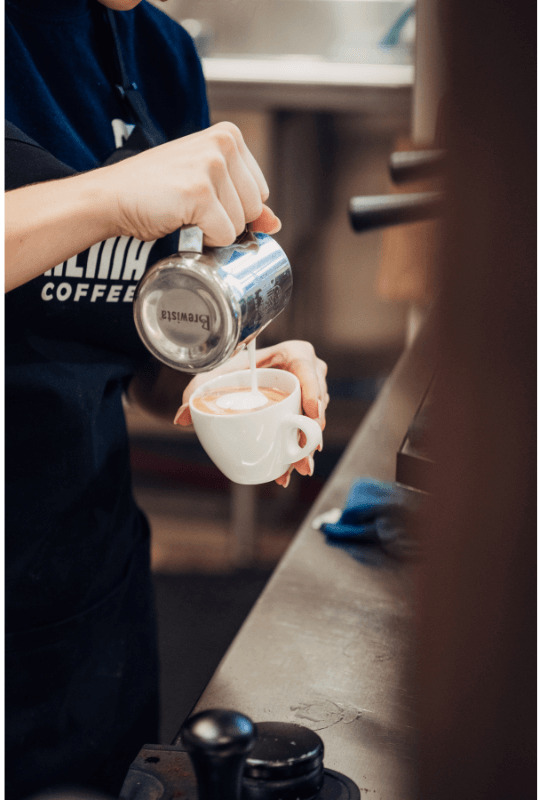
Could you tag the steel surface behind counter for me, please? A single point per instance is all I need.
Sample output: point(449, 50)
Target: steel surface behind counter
point(329, 642)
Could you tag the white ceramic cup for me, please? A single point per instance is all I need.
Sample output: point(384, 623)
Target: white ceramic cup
point(256, 446)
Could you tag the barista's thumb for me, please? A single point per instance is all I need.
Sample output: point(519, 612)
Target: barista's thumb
point(267, 222)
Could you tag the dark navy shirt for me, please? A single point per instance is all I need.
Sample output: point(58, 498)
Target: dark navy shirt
point(71, 343)
point(60, 75)
point(81, 665)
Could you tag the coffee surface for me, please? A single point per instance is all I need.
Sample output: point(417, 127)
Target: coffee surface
point(221, 401)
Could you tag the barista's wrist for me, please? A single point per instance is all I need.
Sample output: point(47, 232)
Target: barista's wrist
point(96, 203)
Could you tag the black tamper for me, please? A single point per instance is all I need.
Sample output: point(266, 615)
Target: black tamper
point(286, 763)
point(218, 742)
point(223, 755)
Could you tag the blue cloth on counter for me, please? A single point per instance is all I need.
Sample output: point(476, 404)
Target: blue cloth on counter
point(376, 513)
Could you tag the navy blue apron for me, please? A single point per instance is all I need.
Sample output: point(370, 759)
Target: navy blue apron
point(82, 691)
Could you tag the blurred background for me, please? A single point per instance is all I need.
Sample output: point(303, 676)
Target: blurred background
point(323, 91)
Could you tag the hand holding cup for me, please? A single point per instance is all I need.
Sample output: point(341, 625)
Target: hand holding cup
point(297, 357)
point(259, 444)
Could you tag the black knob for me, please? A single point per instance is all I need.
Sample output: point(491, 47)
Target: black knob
point(416, 165)
point(218, 742)
point(367, 213)
point(286, 763)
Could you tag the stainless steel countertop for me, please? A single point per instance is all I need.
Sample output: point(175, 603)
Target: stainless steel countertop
point(328, 643)
point(293, 84)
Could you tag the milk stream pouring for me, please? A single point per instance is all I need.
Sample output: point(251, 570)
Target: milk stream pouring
point(195, 309)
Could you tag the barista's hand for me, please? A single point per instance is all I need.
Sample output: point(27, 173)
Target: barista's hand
point(300, 358)
point(294, 356)
point(209, 179)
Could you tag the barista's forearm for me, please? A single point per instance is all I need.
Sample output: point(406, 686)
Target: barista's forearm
point(47, 223)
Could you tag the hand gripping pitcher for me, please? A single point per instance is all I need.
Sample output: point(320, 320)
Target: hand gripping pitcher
point(195, 309)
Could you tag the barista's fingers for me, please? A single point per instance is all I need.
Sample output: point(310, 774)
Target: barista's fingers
point(300, 359)
point(256, 172)
point(323, 401)
point(240, 164)
point(247, 189)
point(309, 386)
point(284, 479)
point(313, 390)
point(230, 140)
point(321, 419)
point(321, 369)
point(232, 204)
point(267, 222)
point(306, 465)
point(219, 230)
point(250, 162)
point(183, 416)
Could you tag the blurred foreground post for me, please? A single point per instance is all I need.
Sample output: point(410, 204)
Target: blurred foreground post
point(477, 600)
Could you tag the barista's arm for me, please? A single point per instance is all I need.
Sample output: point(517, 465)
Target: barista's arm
point(49, 222)
point(209, 179)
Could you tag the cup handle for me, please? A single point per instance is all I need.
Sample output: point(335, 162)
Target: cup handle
point(311, 430)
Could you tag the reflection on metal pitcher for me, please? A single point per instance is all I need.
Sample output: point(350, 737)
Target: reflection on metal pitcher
point(197, 308)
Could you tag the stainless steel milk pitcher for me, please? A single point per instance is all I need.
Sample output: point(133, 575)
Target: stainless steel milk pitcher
point(195, 309)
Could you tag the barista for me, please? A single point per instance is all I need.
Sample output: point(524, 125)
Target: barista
point(81, 664)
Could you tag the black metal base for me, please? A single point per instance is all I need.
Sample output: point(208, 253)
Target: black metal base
point(338, 787)
point(165, 772)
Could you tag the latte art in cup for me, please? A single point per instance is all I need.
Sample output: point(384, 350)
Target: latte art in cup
point(252, 445)
point(237, 399)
